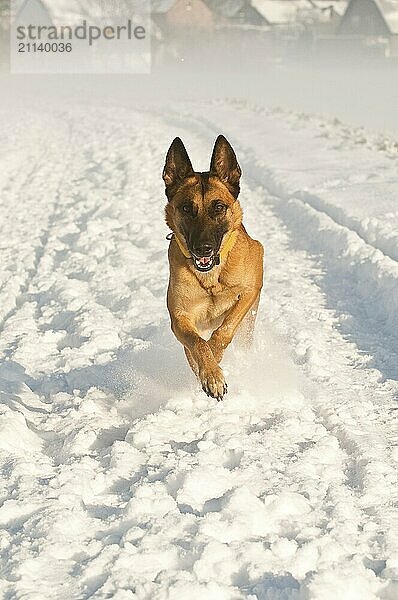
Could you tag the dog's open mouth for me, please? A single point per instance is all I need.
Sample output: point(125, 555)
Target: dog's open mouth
point(204, 263)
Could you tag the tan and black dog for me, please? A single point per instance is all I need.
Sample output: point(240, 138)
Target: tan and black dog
point(216, 268)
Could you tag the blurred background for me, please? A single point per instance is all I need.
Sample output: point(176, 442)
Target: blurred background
point(338, 57)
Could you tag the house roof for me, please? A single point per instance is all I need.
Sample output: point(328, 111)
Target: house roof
point(72, 11)
point(287, 11)
point(226, 8)
point(389, 10)
point(339, 6)
point(161, 6)
point(274, 11)
point(278, 11)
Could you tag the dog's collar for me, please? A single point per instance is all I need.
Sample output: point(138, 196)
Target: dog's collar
point(226, 245)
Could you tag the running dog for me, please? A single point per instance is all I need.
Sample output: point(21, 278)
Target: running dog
point(216, 268)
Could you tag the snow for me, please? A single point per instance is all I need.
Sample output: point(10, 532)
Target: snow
point(120, 478)
point(282, 12)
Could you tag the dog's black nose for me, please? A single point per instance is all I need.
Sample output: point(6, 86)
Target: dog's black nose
point(203, 250)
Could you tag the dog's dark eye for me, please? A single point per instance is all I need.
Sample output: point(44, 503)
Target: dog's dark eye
point(186, 208)
point(219, 208)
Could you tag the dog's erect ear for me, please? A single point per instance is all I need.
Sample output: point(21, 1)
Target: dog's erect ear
point(225, 166)
point(178, 166)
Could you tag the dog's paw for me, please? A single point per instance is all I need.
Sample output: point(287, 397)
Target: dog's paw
point(213, 382)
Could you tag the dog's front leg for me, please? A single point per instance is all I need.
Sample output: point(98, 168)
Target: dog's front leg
point(199, 355)
point(224, 334)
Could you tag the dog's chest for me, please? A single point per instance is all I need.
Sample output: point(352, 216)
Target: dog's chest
point(212, 305)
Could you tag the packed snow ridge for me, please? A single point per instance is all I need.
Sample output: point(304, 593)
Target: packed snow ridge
point(120, 478)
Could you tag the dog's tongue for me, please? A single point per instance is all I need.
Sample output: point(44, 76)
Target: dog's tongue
point(204, 261)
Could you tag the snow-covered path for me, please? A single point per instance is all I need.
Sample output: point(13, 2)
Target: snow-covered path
point(120, 478)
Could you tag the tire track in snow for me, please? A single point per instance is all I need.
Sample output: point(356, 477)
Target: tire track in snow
point(340, 218)
point(367, 430)
point(33, 174)
point(22, 285)
point(13, 515)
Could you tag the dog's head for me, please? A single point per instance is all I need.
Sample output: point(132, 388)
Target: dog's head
point(202, 207)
